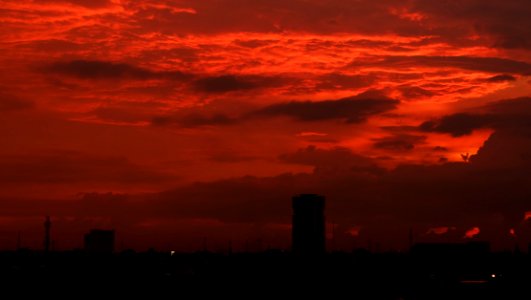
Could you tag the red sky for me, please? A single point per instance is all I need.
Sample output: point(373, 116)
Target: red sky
point(112, 111)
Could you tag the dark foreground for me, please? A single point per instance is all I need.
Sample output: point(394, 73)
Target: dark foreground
point(358, 275)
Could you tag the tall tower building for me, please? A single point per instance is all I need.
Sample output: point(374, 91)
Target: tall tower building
point(47, 228)
point(308, 227)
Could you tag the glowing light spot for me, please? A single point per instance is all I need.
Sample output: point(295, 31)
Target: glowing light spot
point(471, 233)
point(493, 275)
point(527, 215)
point(354, 231)
point(512, 232)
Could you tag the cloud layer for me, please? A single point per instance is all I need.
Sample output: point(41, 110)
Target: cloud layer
point(209, 115)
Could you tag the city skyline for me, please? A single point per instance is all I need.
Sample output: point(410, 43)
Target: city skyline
point(183, 123)
point(309, 235)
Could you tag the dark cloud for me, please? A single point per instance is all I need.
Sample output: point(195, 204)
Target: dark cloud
point(501, 78)
point(248, 199)
point(254, 43)
point(105, 70)
point(126, 112)
point(335, 159)
point(351, 109)
point(94, 69)
point(511, 114)
point(505, 24)
point(91, 69)
point(316, 139)
point(415, 92)
point(193, 120)
point(507, 151)
point(336, 81)
point(484, 64)
point(84, 3)
point(231, 157)
point(263, 200)
point(457, 189)
point(457, 124)
point(399, 142)
point(440, 148)
point(514, 107)
point(72, 167)
point(13, 103)
point(232, 83)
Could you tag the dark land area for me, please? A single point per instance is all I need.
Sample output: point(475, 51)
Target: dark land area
point(428, 271)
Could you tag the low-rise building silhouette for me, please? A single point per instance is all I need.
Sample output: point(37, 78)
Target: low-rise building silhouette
point(476, 248)
point(99, 241)
point(308, 228)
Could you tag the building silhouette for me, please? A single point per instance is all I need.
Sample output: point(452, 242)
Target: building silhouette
point(47, 229)
point(99, 241)
point(308, 227)
point(474, 249)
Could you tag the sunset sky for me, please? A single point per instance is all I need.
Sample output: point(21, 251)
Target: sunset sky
point(184, 124)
